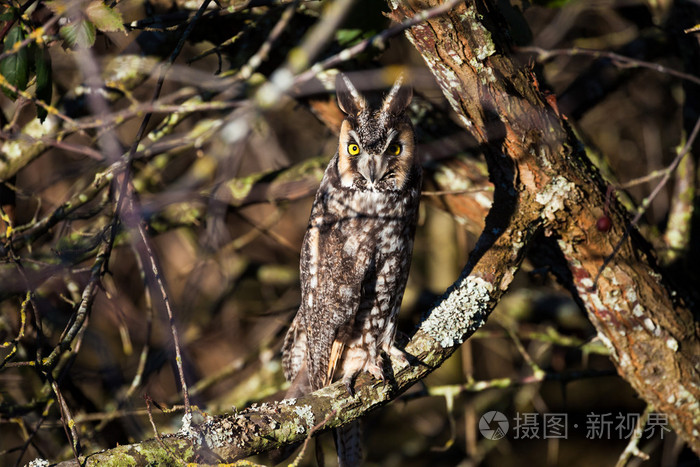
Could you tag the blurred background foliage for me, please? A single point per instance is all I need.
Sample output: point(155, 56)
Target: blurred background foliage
point(225, 179)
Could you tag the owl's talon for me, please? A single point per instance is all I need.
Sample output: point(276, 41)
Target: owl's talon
point(399, 355)
point(349, 382)
point(376, 370)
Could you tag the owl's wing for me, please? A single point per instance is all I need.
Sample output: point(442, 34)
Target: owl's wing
point(294, 358)
point(294, 348)
point(326, 339)
point(333, 305)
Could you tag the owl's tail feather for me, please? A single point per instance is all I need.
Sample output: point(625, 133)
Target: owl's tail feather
point(348, 443)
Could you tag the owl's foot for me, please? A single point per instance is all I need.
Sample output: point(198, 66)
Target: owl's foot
point(399, 356)
point(349, 382)
point(375, 369)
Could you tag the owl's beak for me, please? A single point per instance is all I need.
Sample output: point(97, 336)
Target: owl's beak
point(372, 168)
point(372, 171)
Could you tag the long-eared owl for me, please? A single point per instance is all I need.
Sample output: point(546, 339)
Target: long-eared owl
point(356, 252)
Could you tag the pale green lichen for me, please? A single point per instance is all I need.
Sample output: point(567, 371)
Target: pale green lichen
point(240, 187)
point(473, 19)
point(672, 344)
point(17, 153)
point(216, 434)
point(460, 313)
point(186, 429)
point(476, 65)
point(455, 56)
point(125, 460)
point(553, 197)
point(157, 455)
point(451, 180)
point(485, 50)
point(127, 71)
point(307, 415)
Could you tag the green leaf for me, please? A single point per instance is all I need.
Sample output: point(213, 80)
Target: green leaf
point(348, 37)
point(44, 83)
point(80, 33)
point(15, 67)
point(104, 17)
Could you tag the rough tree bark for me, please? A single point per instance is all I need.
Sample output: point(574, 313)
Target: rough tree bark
point(544, 183)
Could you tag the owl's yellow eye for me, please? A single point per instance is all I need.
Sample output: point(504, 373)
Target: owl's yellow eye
point(394, 149)
point(353, 149)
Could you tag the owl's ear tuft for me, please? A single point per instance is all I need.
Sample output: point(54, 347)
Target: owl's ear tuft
point(350, 100)
point(398, 98)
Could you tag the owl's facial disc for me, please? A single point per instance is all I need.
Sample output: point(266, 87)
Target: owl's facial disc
point(373, 157)
point(370, 161)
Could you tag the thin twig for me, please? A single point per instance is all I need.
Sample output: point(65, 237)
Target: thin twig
point(501, 383)
point(185, 107)
point(456, 192)
point(261, 55)
point(544, 54)
point(81, 314)
point(127, 206)
point(647, 201)
point(75, 148)
point(30, 438)
point(378, 40)
point(313, 430)
point(148, 400)
point(150, 256)
point(536, 370)
point(67, 419)
point(14, 343)
point(646, 178)
point(300, 57)
point(632, 448)
point(44, 105)
point(147, 24)
point(104, 419)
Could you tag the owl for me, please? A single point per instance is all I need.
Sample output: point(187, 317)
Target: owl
point(356, 253)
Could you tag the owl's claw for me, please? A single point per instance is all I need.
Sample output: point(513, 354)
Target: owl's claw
point(349, 382)
point(376, 370)
point(399, 355)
